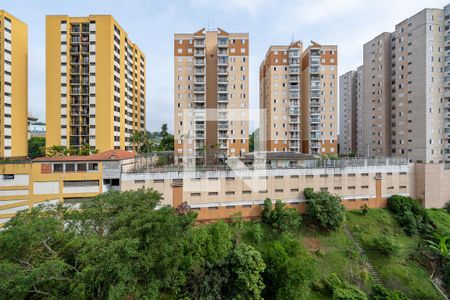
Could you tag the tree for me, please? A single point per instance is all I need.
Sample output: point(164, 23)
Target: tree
point(167, 139)
point(251, 142)
point(379, 292)
point(36, 147)
point(281, 218)
point(246, 266)
point(385, 244)
point(289, 270)
point(409, 214)
point(324, 210)
point(138, 139)
point(342, 290)
point(56, 150)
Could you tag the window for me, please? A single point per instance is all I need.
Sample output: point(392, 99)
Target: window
point(57, 168)
point(195, 194)
point(213, 193)
point(70, 167)
point(294, 190)
point(247, 206)
point(158, 181)
point(229, 193)
point(278, 190)
point(80, 183)
point(81, 167)
point(93, 166)
point(246, 192)
point(140, 181)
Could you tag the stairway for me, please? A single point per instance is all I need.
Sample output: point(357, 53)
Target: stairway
point(370, 267)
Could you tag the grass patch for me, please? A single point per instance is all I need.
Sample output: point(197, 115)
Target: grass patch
point(441, 219)
point(399, 271)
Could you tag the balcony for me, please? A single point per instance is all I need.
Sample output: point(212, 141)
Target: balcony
point(222, 71)
point(294, 70)
point(314, 121)
point(315, 61)
point(314, 128)
point(294, 94)
point(199, 53)
point(315, 85)
point(294, 61)
point(222, 42)
point(199, 70)
point(222, 52)
point(222, 125)
point(294, 119)
point(222, 98)
point(294, 111)
point(294, 78)
point(222, 90)
point(314, 70)
point(199, 80)
point(315, 94)
point(199, 98)
point(199, 43)
point(314, 103)
point(199, 89)
point(222, 61)
point(314, 145)
point(199, 62)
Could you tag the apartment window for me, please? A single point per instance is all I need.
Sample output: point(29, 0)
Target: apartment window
point(294, 190)
point(247, 206)
point(294, 176)
point(158, 181)
point(81, 183)
point(229, 206)
point(213, 193)
point(195, 194)
point(139, 181)
point(57, 168)
point(246, 192)
point(278, 190)
point(229, 193)
point(70, 167)
point(81, 167)
point(93, 166)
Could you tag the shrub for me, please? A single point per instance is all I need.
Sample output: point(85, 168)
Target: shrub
point(379, 292)
point(385, 244)
point(308, 193)
point(447, 207)
point(281, 218)
point(342, 290)
point(409, 214)
point(325, 210)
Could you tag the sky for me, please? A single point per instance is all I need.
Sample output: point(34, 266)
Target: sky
point(151, 25)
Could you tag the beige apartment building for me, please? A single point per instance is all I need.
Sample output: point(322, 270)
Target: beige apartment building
point(406, 95)
point(298, 92)
point(376, 129)
point(347, 112)
point(13, 87)
point(211, 96)
point(95, 83)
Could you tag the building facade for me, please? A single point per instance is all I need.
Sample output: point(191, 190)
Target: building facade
point(95, 83)
point(406, 95)
point(347, 113)
point(298, 92)
point(360, 147)
point(13, 87)
point(211, 96)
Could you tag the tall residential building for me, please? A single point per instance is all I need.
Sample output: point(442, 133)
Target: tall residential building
point(211, 96)
point(279, 77)
point(406, 90)
point(377, 96)
point(347, 113)
point(298, 90)
point(13, 87)
point(319, 94)
point(360, 148)
point(95, 83)
point(418, 89)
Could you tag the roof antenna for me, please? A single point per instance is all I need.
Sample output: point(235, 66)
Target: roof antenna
point(293, 38)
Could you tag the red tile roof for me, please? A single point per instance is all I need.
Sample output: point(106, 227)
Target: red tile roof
point(102, 156)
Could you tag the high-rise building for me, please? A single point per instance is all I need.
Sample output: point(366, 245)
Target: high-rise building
point(279, 77)
point(360, 148)
point(377, 96)
point(418, 90)
point(406, 90)
point(347, 113)
point(95, 83)
point(298, 90)
point(211, 96)
point(13, 86)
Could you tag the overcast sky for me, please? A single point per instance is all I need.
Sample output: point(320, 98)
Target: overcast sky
point(151, 25)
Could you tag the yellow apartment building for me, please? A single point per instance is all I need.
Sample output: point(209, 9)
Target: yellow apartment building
point(50, 180)
point(13, 87)
point(95, 83)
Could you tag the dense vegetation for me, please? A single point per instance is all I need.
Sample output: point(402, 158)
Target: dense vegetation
point(119, 246)
point(147, 142)
point(36, 147)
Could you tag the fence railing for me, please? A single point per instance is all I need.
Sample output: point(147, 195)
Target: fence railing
point(147, 165)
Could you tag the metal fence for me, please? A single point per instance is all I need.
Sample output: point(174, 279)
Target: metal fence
point(146, 165)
